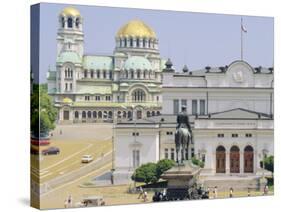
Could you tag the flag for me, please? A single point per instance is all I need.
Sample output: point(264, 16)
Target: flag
point(243, 28)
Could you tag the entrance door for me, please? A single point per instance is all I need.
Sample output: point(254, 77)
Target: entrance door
point(248, 159)
point(65, 115)
point(139, 114)
point(220, 159)
point(234, 160)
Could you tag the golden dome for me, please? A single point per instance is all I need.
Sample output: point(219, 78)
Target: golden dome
point(136, 28)
point(70, 11)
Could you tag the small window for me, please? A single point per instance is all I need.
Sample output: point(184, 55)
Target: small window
point(136, 134)
point(248, 135)
point(107, 98)
point(172, 154)
point(169, 133)
point(166, 153)
point(97, 98)
point(87, 98)
point(194, 107)
point(234, 135)
point(69, 23)
point(220, 135)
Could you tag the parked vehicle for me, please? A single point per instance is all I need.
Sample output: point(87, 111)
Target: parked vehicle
point(51, 151)
point(91, 201)
point(40, 142)
point(87, 159)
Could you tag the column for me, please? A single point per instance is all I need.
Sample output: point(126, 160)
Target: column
point(134, 42)
point(227, 162)
point(241, 161)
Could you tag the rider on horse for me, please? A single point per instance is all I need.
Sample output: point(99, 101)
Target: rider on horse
point(183, 120)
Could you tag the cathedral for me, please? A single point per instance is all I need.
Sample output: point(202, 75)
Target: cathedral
point(95, 88)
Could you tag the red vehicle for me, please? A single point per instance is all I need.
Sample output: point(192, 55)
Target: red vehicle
point(40, 142)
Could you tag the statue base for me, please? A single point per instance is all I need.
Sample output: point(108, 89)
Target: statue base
point(180, 179)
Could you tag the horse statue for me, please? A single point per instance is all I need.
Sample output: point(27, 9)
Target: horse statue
point(183, 135)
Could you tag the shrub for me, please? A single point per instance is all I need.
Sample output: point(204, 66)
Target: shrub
point(197, 162)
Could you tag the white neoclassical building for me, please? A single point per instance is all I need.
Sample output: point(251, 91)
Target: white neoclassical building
point(96, 88)
point(231, 113)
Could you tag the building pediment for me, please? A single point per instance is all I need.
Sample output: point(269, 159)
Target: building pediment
point(238, 113)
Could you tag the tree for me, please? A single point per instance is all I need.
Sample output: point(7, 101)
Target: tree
point(145, 173)
point(163, 165)
point(43, 113)
point(268, 163)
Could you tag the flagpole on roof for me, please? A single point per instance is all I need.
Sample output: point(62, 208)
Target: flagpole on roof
point(241, 30)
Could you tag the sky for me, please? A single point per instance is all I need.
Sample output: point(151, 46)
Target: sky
point(194, 39)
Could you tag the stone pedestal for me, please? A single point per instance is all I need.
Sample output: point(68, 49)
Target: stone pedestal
point(180, 178)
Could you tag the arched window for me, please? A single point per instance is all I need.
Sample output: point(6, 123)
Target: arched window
point(125, 42)
point(138, 74)
point(110, 75)
point(127, 74)
point(132, 74)
point(62, 22)
point(129, 114)
point(158, 113)
point(83, 114)
point(85, 74)
point(120, 43)
point(89, 114)
point(144, 74)
point(69, 23)
point(104, 74)
point(131, 42)
point(138, 96)
point(98, 74)
point(119, 114)
point(148, 113)
point(94, 114)
point(92, 74)
point(110, 114)
point(99, 114)
point(248, 159)
point(149, 43)
point(153, 113)
point(220, 159)
point(124, 114)
point(77, 22)
point(76, 114)
point(138, 42)
point(234, 158)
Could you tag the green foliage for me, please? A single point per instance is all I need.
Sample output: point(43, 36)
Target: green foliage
point(145, 173)
point(163, 165)
point(268, 163)
point(43, 113)
point(151, 172)
point(197, 162)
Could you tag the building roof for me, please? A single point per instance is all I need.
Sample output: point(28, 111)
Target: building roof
point(69, 56)
point(137, 63)
point(98, 62)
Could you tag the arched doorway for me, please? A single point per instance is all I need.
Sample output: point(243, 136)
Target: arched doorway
point(248, 159)
point(234, 159)
point(220, 159)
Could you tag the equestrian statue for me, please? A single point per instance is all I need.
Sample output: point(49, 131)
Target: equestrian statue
point(183, 135)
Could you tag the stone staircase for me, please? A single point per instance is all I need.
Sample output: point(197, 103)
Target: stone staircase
point(238, 183)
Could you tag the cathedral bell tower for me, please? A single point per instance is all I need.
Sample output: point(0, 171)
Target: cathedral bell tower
point(70, 36)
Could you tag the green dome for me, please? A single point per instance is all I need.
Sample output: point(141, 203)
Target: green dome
point(69, 56)
point(137, 63)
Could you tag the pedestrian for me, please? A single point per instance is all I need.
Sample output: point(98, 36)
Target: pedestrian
point(65, 203)
point(231, 192)
point(69, 201)
point(249, 194)
point(265, 190)
point(145, 196)
point(215, 192)
point(141, 193)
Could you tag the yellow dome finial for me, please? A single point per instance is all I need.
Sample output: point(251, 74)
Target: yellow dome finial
point(136, 28)
point(70, 11)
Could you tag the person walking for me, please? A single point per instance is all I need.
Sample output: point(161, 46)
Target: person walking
point(69, 201)
point(141, 193)
point(65, 203)
point(145, 196)
point(215, 192)
point(249, 194)
point(231, 192)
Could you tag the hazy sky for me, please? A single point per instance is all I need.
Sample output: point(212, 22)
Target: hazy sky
point(195, 39)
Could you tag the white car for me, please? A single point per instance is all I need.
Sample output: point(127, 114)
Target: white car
point(87, 159)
